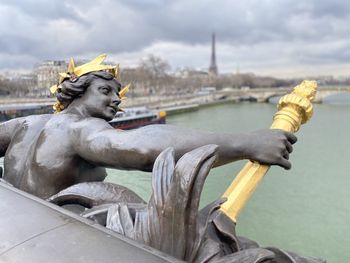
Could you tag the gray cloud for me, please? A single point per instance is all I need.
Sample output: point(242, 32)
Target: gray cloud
point(259, 33)
point(42, 10)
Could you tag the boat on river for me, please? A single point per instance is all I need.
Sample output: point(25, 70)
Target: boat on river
point(135, 117)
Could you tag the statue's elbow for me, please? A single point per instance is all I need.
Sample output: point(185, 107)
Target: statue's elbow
point(139, 159)
point(146, 159)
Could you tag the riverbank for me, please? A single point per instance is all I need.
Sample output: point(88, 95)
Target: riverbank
point(187, 102)
point(171, 104)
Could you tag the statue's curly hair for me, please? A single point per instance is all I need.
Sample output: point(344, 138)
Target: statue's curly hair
point(72, 89)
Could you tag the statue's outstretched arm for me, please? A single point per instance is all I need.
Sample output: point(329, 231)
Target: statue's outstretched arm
point(138, 149)
point(7, 129)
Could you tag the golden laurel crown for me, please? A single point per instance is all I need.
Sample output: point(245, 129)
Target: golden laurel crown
point(74, 72)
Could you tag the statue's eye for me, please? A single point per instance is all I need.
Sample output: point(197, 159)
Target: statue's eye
point(105, 90)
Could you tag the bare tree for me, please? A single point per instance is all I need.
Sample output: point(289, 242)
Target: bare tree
point(155, 66)
point(155, 70)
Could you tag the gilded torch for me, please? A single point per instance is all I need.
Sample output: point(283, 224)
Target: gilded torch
point(294, 109)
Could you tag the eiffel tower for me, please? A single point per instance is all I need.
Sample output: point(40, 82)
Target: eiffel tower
point(213, 69)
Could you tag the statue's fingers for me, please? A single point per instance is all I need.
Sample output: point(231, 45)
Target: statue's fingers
point(291, 137)
point(289, 147)
point(285, 164)
point(286, 155)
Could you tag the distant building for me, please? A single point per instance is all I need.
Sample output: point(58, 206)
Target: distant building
point(205, 90)
point(47, 75)
point(213, 69)
point(191, 73)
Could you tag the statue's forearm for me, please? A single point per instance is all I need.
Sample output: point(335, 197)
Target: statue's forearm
point(265, 146)
point(155, 138)
point(138, 149)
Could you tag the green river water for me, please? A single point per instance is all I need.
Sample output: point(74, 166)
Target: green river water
point(305, 209)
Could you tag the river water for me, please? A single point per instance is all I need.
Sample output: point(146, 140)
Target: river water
point(305, 209)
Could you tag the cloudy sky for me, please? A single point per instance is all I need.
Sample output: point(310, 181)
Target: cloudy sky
point(284, 38)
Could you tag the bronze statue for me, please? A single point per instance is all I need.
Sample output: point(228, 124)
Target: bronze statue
point(62, 158)
point(47, 153)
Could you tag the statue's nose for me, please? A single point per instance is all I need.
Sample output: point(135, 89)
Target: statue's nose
point(116, 101)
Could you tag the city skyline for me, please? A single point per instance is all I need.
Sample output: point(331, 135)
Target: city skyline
point(280, 39)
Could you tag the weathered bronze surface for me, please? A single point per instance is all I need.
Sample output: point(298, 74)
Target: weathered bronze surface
point(46, 154)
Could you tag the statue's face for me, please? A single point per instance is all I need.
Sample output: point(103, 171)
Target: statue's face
point(101, 98)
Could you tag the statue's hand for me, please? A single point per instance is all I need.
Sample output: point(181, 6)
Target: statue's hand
point(271, 147)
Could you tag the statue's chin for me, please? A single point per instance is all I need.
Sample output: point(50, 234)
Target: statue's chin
point(108, 118)
point(104, 117)
point(107, 115)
